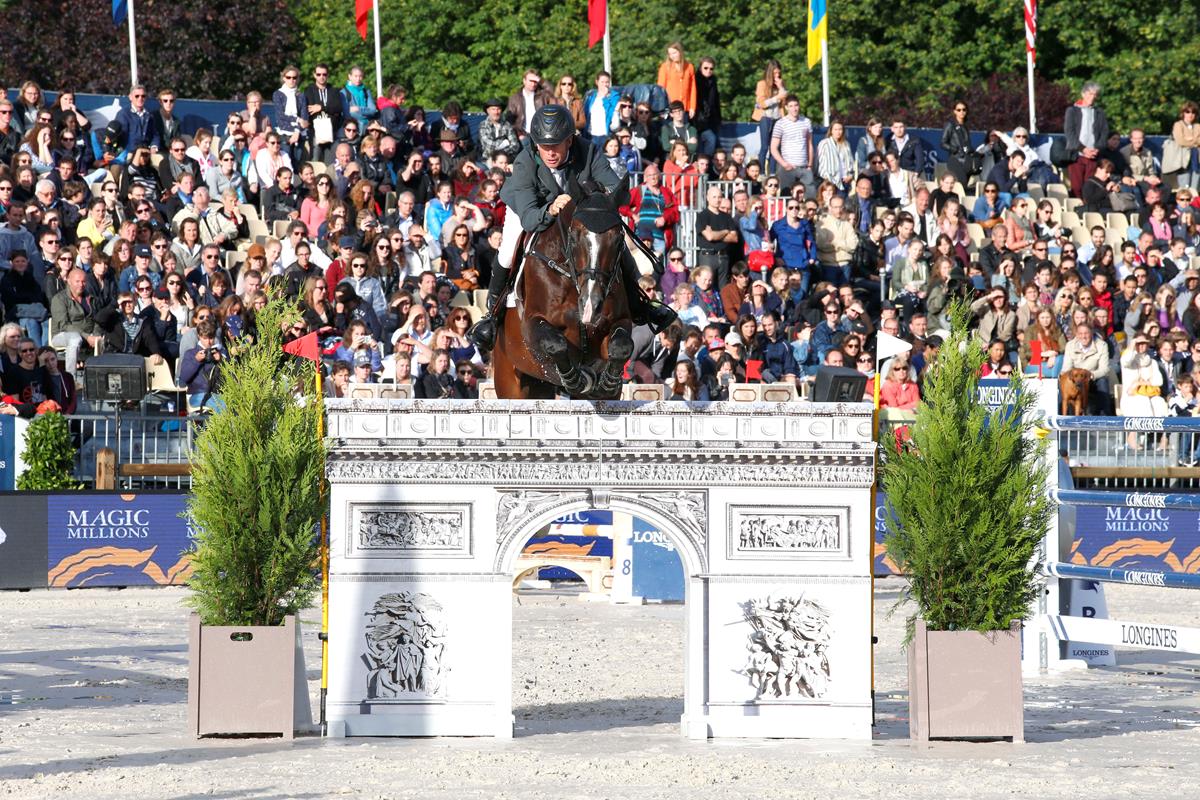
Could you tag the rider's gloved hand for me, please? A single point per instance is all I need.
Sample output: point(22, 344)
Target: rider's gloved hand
point(559, 204)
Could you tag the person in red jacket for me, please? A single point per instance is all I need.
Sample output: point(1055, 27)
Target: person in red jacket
point(899, 390)
point(653, 210)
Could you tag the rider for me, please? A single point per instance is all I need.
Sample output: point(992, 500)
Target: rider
point(545, 178)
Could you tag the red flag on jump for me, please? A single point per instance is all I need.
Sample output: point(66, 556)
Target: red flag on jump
point(362, 8)
point(305, 347)
point(597, 21)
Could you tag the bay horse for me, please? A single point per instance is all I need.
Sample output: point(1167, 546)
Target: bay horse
point(570, 329)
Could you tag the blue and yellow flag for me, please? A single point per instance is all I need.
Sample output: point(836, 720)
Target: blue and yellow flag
point(818, 31)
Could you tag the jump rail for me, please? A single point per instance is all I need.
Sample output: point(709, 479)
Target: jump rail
point(1134, 577)
point(1132, 424)
point(1097, 497)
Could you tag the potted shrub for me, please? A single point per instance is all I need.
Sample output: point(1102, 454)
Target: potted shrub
point(49, 455)
point(255, 505)
point(968, 509)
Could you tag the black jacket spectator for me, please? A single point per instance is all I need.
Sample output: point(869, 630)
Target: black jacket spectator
point(278, 204)
point(19, 288)
point(166, 330)
point(708, 104)
point(1095, 196)
point(143, 342)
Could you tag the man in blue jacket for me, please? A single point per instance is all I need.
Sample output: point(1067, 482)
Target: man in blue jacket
point(796, 243)
point(136, 126)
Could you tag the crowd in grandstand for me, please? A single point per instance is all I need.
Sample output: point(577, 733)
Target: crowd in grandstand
point(779, 256)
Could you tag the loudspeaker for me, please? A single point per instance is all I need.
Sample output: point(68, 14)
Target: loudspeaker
point(116, 376)
point(839, 385)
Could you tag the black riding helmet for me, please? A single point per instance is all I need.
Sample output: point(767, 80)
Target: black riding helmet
point(551, 125)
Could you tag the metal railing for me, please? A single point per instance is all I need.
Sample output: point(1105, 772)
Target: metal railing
point(143, 440)
point(1131, 460)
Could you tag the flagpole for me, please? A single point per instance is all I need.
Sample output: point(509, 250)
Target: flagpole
point(378, 58)
point(1030, 55)
point(607, 50)
point(1032, 111)
point(324, 569)
point(825, 76)
point(133, 72)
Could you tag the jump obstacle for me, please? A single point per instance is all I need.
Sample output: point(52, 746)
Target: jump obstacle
point(1060, 631)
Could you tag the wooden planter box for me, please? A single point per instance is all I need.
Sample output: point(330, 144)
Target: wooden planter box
point(965, 684)
point(246, 680)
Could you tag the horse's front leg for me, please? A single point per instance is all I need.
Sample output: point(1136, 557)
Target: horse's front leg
point(619, 347)
point(549, 344)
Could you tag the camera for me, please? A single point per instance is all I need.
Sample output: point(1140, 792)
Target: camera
point(212, 354)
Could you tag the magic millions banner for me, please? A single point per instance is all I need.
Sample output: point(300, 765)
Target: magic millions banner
point(74, 540)
point(1114, 536)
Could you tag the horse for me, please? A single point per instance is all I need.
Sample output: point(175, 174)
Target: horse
point(569, 331)
point(1073, 387)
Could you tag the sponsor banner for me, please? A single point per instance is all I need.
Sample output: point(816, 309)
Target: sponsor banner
point(1122, 537)
point(657, 568)
point(584, 533)
point(111, 539)
point(22, 540)
point(12, 443)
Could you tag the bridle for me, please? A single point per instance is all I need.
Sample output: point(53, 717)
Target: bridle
point(576, 276)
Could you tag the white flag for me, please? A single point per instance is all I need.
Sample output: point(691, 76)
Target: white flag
point(887, 346)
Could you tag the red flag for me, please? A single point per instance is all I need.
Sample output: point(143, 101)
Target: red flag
point(305, 347)
point(362, 8)
point(597, 21)
point(754, 369)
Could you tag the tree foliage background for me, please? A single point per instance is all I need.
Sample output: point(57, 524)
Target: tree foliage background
point(910, 58)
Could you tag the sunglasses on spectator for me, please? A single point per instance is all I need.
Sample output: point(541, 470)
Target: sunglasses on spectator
point(159, 245)
point(25, 351)
point(864, 359)
point(876, 161)
point(1005, 371)
point(462, 372)
point(566, 83)
point(174, 283)
point(358, 264)
point(143, 288)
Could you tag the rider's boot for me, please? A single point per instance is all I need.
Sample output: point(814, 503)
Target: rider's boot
point(642, 309)
point(483, 334)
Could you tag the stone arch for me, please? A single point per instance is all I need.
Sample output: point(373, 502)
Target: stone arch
point(538, 508)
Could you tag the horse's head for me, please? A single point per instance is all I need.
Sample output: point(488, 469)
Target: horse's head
point(593, 248)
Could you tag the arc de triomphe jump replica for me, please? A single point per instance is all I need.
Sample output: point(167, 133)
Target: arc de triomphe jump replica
point(768, 505)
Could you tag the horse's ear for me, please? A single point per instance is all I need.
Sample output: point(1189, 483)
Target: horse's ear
point(620, 196)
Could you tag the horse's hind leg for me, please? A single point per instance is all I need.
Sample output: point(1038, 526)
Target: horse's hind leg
point(608, 382)
point(548, 341)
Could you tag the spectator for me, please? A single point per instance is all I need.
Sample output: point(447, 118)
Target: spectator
point(357, 100)
point(1141, 382)
point(899, 388)
point(796, 243)
point(533, 94)
point(769, 96)
point(706, 115)
point(677, 129)
point(23, 299)
point(792, 147)
point(1086, 129)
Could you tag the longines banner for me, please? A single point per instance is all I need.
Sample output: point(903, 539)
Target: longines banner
point(74, 540)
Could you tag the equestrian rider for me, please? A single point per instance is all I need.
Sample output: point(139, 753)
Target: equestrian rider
point(545, 178)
